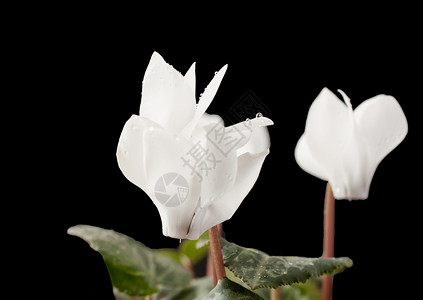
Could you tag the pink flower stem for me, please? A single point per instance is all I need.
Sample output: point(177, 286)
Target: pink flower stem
point(215, 254)
point(328, 240)
point(276, 294)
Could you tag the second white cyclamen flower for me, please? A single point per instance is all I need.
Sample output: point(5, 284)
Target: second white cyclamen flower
point(345, 146)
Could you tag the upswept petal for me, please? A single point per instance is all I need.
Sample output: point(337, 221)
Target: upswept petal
point(328, 129)
point(379, 126)
point(205, 99)
point(174, 187)
point(190, 77)
point(382, 125)
point(155, 57)
point(167, 97)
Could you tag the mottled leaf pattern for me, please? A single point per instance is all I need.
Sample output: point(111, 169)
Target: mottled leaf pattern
point(228, 290)
point(259, 270)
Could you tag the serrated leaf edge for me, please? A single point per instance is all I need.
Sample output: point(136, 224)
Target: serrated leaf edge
point(267, 256)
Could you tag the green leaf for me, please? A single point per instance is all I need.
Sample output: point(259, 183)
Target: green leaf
point(264, 293)
point(301, 291)
point(122, 296)
point(203, 240)
point(309, 290)
point(189, 252)
point(197, 290)
point(259, 270)
point(171, 253)
point(228, 290)
point(195, 250)
point(134, 269)
point(298, 291)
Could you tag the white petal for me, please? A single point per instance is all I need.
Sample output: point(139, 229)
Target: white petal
point(349, 176)
point(225, 144)
point(173, 185)
point(130, 151)
point(155, 57)
point(306, 161)
point(249, 167)
point(167, 98)
point(205, 123)
point(328, 129)
point(190, 77)
point(379, 126)
point(235, 137)
point(205, 99)
point(382, 124)
point(214, 167)
point(218, 172)
point(196, 228)
point(258, 142)
point(217, 169)
point(210, 91)
point(207, 119)
point(330, 147)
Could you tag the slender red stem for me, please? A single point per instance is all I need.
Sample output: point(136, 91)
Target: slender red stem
point(210, 267)
point(276, 294)
point(216, 254)
point(328, 239)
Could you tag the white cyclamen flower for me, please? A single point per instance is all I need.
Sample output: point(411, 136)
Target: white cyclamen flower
point(344, 146)
point(196, 171)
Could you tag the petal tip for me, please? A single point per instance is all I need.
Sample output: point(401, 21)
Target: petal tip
point(222, 71)
point(264, 121)
point(156, 55)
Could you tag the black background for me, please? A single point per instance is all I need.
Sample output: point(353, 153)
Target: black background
point(84, 71)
